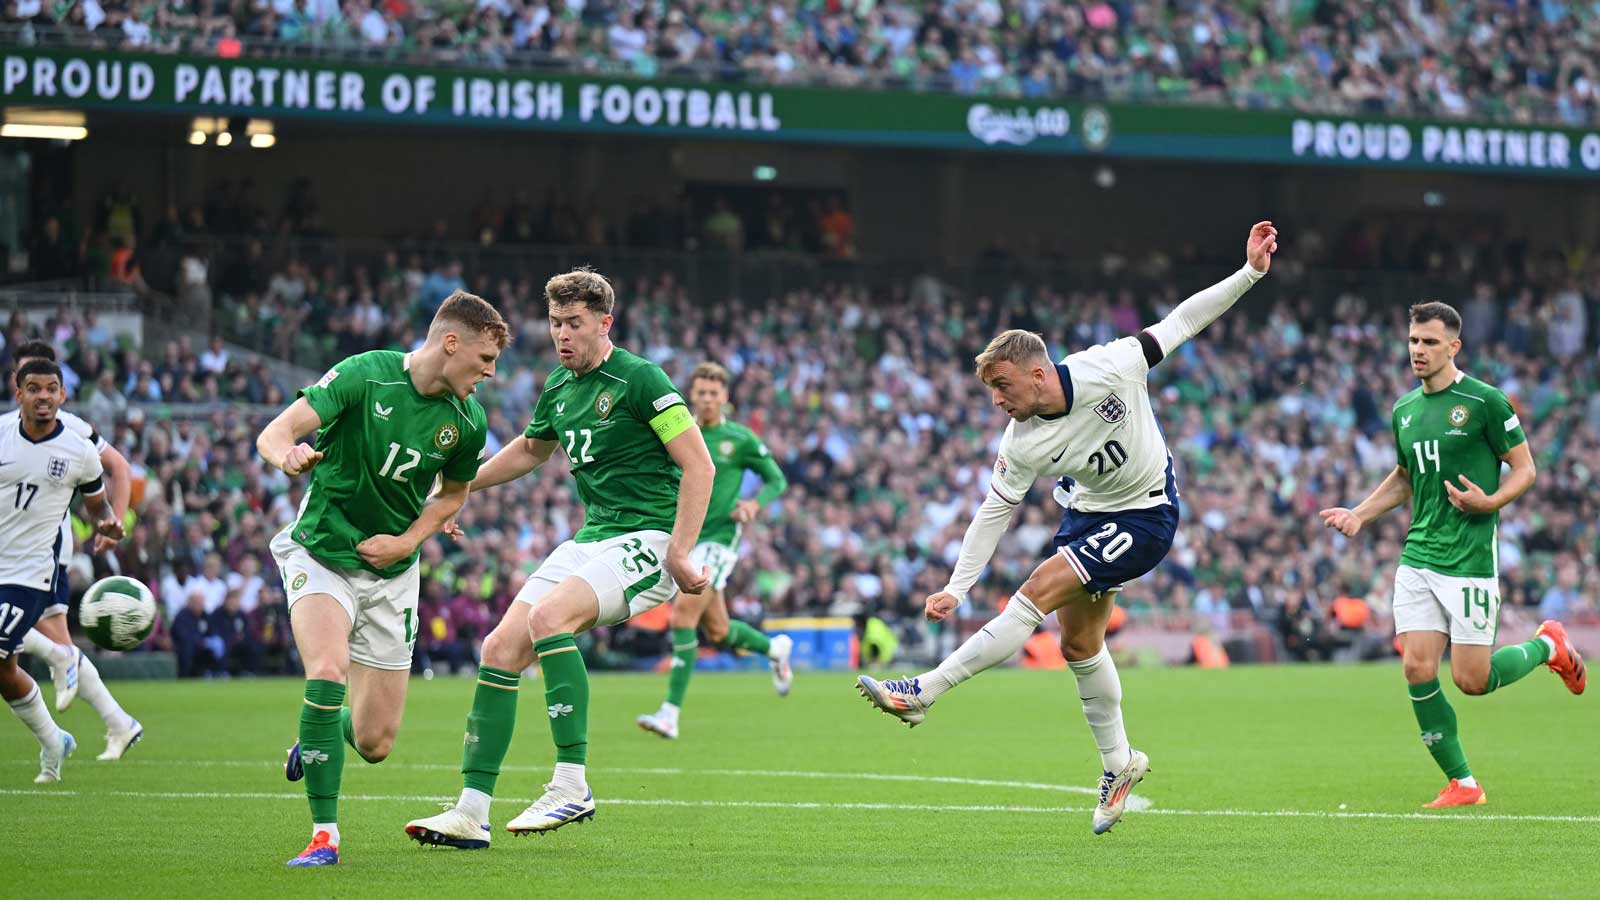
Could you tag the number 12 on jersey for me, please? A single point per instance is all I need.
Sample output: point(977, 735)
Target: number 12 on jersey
point(1426, 450)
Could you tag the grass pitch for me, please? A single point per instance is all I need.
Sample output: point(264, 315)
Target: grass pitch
point(1302, 781)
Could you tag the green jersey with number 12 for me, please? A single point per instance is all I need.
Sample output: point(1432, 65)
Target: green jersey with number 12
point(382, 445)
point(608, 420)
point(1461, 430)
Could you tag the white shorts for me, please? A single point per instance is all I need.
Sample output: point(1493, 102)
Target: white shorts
point(718, 559)
point(382, 611)
point(628, 574)
point(1467, 609)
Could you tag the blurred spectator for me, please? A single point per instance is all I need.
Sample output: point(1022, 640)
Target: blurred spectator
point(1516, 62)
point(241, 645)
point(194, 640)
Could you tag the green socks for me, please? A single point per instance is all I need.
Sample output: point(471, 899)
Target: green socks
point(684, 648)
point(489, 726)
point(1438, 721)
point(744, 636)
point(1511, 663)
point(566, 693)
point(322, 747)
point(741, 636)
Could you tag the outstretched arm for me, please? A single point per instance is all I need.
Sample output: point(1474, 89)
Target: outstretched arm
point(516, 459)
point(1194, 314)
point(977, 548)
point(1395, 490)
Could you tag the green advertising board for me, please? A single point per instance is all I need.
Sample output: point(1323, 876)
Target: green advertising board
point(456, 97)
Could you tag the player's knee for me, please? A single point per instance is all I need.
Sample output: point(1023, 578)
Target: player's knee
point(375, 748)
point(502, 651)
point(683, 618)
point(716, 632)
point(551, 617)
point(1077, 647)
point(1473, 683)
point(1420, 671)
point(327, 670)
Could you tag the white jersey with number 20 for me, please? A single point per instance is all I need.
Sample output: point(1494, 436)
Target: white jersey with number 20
point(1107, 442)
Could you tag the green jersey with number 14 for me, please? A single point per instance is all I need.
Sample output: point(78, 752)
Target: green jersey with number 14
point(382, 445)
point(1461, 430)
point(613, 422)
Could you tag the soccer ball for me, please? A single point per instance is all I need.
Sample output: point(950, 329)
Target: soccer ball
point(117, 613)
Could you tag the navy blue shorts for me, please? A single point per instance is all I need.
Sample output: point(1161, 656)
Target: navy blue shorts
point(63, 589)
point(19, 609)
point(1110, 549)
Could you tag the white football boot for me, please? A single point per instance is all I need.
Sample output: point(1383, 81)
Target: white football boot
point(661, 723)
point(451, 828)
point(66, 680)
point(50, 760)
point(552, 811)
point(782, 673)
point(901, 698)
point(1114, 791)
point(118, 741)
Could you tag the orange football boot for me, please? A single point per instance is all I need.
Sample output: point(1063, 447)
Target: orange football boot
point(1564, 660)
point(1458, 794)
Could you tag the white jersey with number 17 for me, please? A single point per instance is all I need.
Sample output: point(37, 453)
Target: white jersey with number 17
point(77, 426)
point(37, 481)
point(1107, 442)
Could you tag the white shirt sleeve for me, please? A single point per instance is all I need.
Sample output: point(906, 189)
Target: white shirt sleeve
point(1200, 310)
point(977, 547)
point(92, 469)
point(1123, 359)
point(1011, 480)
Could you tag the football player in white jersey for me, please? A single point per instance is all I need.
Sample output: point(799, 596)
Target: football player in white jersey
point(71, 671)
point(1088, 421)
point(42, 465)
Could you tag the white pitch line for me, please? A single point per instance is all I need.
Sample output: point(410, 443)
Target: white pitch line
point(730, 773)
point(826, 805)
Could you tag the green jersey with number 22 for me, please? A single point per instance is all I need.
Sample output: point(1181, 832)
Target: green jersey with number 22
point(383, 444)
point(614, 422)
point(1461, 430)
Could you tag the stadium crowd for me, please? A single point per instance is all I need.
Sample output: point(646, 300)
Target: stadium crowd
point(867, 400)
point(1520, 60)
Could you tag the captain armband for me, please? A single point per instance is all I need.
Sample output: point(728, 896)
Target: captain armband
point(675, 421)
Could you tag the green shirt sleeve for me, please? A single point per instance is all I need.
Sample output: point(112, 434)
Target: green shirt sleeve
point(338, 390)
point(542, 428)
point(1503, 428)
point(654, 395)
point(463, 466)
point(1400, 457)
point(759, 460)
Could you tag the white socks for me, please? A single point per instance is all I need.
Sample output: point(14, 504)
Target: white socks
point(474, 803)
point(332, 828)
point(90, 686)
point(569, 778)
point(995, 643)
point(1101, 692)
point(1469, 781)
point(36, 644)
point(93, 690)
point(668, 712)
point(34, 714)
